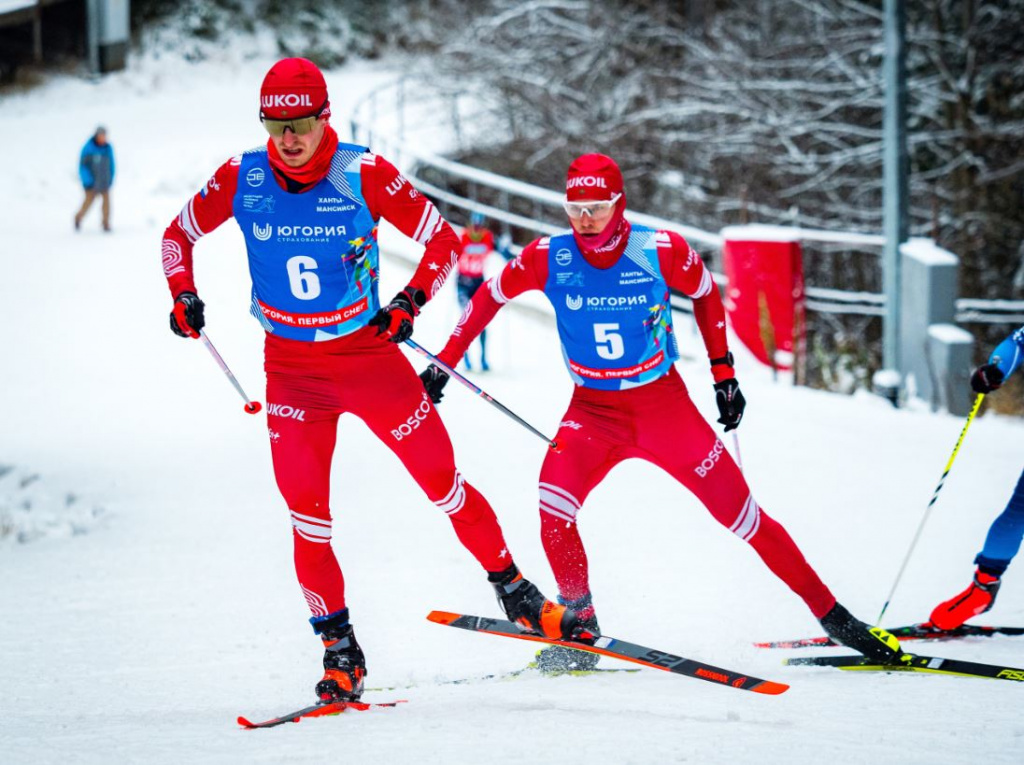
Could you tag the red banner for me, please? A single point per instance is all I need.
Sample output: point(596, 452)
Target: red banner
point(765, 298)
point(314, 319)
point(615, 374)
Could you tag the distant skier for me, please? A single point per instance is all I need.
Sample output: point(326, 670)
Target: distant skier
point(475, 247)
point(96, 171)
point(609, 284)
point(308, 207)
point(1006, 531)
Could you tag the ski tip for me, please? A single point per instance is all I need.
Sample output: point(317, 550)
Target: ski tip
point(442, 617)
point(801, 661)
point(245, 723)
point(771, 688)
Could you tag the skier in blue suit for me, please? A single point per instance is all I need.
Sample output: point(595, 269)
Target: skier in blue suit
point(1005, 533)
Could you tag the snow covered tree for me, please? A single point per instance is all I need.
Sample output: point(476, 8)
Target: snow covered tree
point(725, 112)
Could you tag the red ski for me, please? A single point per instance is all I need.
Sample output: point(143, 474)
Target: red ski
point(617, 649)
point(317, 710)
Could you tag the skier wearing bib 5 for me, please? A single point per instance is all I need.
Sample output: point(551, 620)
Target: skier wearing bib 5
point(308, 207)
point(609, 282)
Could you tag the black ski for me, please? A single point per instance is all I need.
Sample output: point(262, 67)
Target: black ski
point(617, 649)
point(914, 663)
point(923, 631)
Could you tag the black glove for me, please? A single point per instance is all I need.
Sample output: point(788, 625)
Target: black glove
point(394, 321)
point(730, 403)
point(187, 316)
point(986, 378)
point(434, 379)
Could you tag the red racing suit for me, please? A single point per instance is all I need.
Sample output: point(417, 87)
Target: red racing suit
point(473, 253)
point(310, 384)
point(655, 421)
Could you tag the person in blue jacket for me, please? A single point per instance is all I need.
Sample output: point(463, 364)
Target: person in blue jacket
point(96, 169)
point(1005, 533)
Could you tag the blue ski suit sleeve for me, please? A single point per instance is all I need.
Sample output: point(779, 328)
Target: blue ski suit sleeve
point(84, 172)
point(1009, 354)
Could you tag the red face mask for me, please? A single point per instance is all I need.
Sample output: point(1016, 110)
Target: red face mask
point(612, 238)
point(317, 166)
point(597, 178)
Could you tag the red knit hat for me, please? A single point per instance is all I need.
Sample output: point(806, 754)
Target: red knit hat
point(593, 176)
point(294, 87)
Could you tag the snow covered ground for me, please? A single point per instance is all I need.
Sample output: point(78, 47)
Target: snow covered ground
point(138, 630)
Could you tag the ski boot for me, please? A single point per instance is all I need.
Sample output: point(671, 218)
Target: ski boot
point(874, 642)
point(344, 665)
point(525, 605)
point(976, 599)
point(557, 659)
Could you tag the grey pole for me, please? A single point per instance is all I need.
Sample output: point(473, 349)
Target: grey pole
point(37, 33)
point(895, 170)
point(92, 24)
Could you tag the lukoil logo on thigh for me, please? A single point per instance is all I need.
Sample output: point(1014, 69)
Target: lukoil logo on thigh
point(284, 410)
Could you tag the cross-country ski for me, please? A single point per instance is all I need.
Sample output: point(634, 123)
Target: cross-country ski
point(617, 649)
point(317, 710)
point(922, 631)
point(915, 663)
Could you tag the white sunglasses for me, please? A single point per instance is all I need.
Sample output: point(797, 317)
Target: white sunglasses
point(591, 207)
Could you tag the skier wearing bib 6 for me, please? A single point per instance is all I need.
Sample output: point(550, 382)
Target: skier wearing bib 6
point(308, 207)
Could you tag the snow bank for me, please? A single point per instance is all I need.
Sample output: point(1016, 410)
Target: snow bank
point(31, 508)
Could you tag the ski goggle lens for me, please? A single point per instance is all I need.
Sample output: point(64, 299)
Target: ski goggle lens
point(577, 210)
point(299, 125)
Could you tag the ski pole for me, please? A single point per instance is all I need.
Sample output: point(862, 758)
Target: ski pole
point(250, 406)
point(736, 448)
point(928, 510)
point(552, 443)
